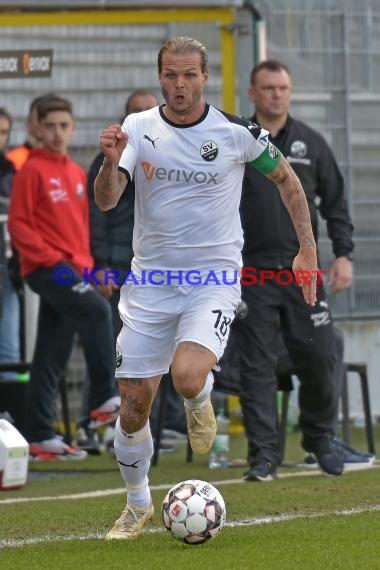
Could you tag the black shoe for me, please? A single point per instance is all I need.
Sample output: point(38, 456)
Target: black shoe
point(329, 460)
point(350, 456)
point(310, 460)
point(264, 471)
point(88, 440)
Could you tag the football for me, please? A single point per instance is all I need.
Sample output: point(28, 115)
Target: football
point(193, 511)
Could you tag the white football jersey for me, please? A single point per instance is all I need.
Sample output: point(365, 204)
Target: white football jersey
point(188, 181)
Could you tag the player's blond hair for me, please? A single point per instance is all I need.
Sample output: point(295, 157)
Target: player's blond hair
point(182, 45)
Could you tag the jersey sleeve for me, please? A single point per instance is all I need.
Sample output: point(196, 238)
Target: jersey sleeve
point(261, 153)
point(268, 160)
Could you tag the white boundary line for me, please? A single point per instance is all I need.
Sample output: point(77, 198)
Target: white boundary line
point(162, 487)
point(284, 517)
point(122, 490)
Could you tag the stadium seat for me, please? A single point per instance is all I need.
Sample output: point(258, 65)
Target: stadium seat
point(359, 368)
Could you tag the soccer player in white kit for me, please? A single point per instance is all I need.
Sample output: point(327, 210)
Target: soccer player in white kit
point(187, 159)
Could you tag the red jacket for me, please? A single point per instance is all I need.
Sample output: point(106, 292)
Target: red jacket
point(49, 213)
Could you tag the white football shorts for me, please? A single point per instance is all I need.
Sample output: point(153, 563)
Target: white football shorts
point(157, 318)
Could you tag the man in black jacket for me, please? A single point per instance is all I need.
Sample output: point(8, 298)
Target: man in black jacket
point(270, 245)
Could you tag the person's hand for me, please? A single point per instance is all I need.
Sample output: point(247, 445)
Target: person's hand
point(108, 285)
point(113, 141)
point(305, 268)
point(340, 274)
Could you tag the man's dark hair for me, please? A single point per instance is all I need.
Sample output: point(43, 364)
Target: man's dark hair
point(37, 100)
point(138, 92)
point(52, 102)
point(270, 65)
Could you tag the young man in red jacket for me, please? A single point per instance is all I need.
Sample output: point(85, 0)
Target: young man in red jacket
point(49, 226)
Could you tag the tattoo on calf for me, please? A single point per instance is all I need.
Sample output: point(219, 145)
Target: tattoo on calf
point(134, 412)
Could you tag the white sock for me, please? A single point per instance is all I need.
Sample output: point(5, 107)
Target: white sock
point(133, 452)
point(200, 400)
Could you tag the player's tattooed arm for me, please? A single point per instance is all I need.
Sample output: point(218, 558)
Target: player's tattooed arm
point(109, 186)
point(305, 263)
point(293, 196)
point(110, 182)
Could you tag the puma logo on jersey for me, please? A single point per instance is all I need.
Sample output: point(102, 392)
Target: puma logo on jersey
point(151, 140)
point(56, 182)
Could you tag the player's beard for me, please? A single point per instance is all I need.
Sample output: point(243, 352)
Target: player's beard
point(179, 109)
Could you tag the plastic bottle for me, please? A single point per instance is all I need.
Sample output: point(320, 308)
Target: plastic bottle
point(221, 445)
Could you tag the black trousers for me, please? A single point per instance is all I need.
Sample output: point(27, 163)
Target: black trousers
point(309, 338)
point(66, 310)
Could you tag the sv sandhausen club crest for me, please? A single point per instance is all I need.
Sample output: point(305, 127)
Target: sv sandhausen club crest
point(209, 151)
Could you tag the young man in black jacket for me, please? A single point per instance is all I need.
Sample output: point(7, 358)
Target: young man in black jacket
point(270, 244)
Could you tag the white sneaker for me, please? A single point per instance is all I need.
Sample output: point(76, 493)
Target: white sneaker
point(54, 449)
point(106, 414)
point(132, 521)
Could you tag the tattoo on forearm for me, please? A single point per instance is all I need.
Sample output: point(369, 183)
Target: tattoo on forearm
point(294, 198)
point(102, 186)
point(109, 185)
